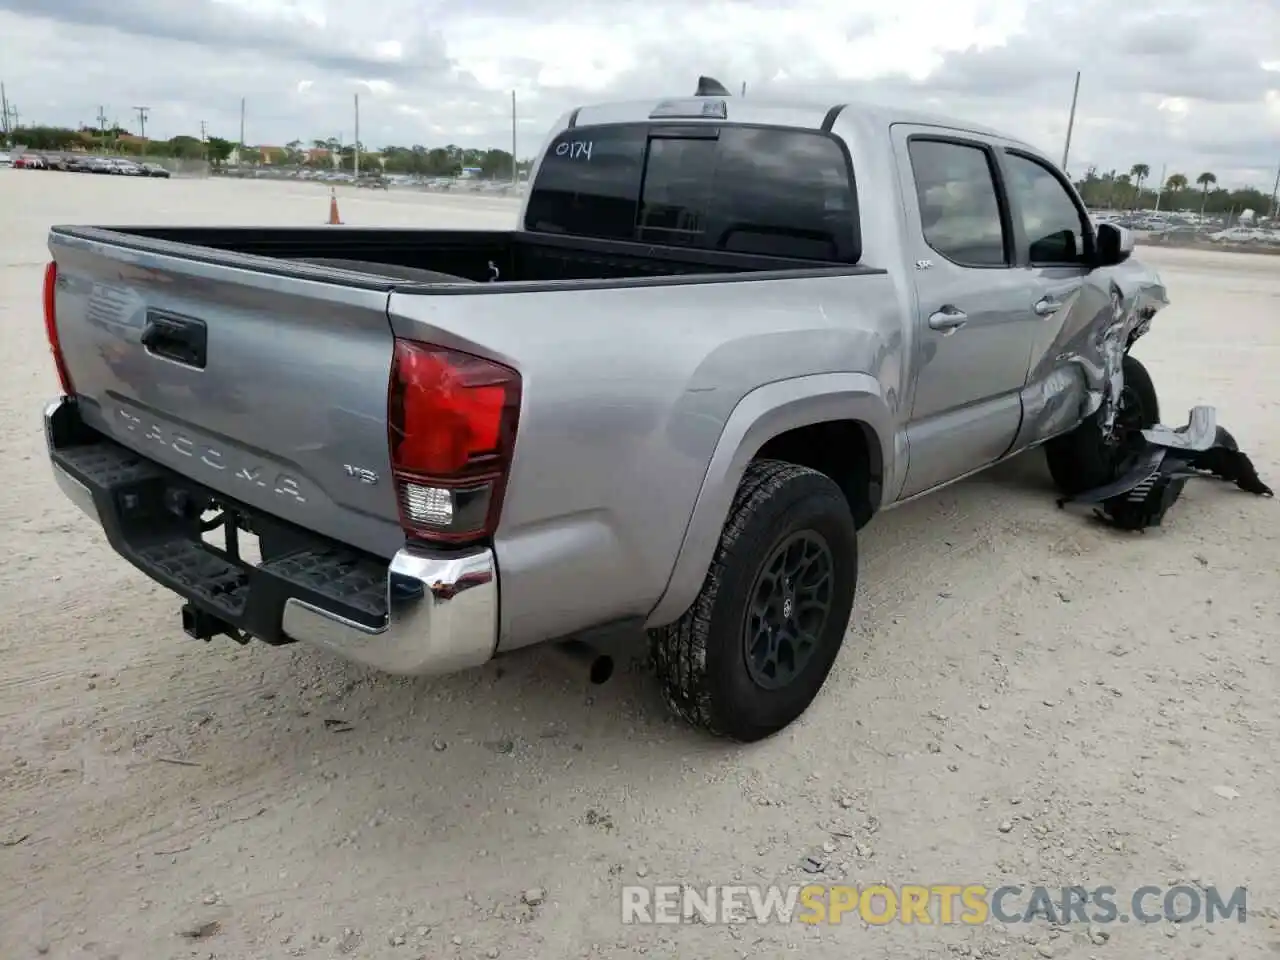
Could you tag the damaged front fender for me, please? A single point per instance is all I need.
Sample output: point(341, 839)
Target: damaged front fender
point(1077, 361)
point(1135, 297)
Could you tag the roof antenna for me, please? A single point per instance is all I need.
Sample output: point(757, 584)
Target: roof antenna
point(710, 87)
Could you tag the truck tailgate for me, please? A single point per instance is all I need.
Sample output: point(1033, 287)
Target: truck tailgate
point(268, 387)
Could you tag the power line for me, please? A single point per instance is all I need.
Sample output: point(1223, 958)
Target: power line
point(142, 120)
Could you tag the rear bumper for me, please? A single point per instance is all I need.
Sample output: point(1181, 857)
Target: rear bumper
point(424, 613)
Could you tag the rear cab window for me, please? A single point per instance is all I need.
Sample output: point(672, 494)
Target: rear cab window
point(758, 190)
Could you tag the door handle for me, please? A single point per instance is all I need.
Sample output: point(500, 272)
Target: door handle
point(948, 320)
point(1047, 306)
point(179, 339)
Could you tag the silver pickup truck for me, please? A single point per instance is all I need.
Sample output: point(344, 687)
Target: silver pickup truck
point(724, 334)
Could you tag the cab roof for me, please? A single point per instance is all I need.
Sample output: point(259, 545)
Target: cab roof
point(809, 115)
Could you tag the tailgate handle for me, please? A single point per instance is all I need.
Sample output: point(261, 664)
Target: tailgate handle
point(179, 339)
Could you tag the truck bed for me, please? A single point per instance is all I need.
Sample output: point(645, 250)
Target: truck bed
point(457, 258)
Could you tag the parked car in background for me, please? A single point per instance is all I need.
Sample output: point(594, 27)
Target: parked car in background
point(125, 168)
point(154, 170)
point(6, 160)
point(29, 161)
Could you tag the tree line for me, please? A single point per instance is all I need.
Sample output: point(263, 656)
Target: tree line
point(120, 141)
point(1116, 190)
point(447, 161)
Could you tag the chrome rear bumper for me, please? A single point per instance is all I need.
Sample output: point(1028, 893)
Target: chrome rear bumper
point(442, 617)
point(440, 613)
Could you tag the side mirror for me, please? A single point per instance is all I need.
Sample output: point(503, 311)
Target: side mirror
point(1115, 244)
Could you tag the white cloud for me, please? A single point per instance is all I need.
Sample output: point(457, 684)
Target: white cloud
point(1164, 81)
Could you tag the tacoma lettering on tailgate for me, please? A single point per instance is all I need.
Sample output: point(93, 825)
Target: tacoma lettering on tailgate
point(211, 458)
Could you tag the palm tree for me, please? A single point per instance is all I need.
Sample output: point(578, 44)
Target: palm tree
point(1139, 172)
point(1176, 182)
point(1126, 188)
point(1205, 180)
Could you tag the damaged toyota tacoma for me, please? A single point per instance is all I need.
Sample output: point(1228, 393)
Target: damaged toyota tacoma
point(724, 334)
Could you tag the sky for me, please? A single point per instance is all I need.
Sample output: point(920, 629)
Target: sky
point(1187, 84)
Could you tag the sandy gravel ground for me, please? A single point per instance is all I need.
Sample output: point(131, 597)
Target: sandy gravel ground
point(1023, 698)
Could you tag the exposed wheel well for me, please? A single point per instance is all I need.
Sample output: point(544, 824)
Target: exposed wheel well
point(847, 451)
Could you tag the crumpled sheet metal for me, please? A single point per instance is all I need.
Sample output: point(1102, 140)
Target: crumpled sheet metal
point(1132, 311)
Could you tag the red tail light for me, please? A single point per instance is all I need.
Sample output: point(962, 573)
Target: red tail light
point(51, 326)
point(452, 428)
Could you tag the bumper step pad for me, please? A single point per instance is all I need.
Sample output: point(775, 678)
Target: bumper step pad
point(151, 516)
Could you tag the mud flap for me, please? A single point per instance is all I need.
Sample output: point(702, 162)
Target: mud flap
point(1160, 462)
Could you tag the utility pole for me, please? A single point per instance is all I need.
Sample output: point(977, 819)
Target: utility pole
point(357, 147)
point(1274, 192)
point(203, 135)
point(744, 88)
point(1164, 168)
point(142, 121)
point(1071, 122)
point(102, 126)
point(240, 150)
point(515, 167)
point(4, 110)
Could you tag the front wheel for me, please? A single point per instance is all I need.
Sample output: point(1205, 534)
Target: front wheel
point(755, 648)
point(1084, 459)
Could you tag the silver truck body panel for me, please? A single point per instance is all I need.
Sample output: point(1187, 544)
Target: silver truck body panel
point(642, 402)
point(637, 428)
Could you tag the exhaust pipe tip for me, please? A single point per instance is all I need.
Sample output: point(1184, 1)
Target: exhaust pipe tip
point(601, 669)
point(599, 665)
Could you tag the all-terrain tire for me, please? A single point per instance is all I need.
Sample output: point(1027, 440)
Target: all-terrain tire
point(702, 660)
point(1082, 459)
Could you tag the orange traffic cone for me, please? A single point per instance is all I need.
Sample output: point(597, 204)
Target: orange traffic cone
point(334, 219)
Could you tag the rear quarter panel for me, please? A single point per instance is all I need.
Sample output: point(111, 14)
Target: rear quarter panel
point(626, 395)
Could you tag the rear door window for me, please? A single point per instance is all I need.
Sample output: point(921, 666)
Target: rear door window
point(764, 191)
point(959, 204)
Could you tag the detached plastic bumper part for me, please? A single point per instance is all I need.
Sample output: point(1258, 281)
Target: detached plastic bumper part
point(420, 614)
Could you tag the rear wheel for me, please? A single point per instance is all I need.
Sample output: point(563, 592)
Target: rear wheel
point(755, 648)
point(1084, 459)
